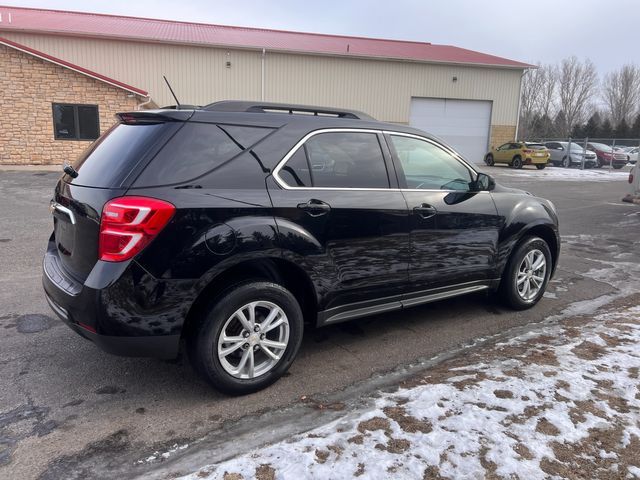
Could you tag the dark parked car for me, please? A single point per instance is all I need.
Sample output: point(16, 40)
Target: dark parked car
point(230, 225)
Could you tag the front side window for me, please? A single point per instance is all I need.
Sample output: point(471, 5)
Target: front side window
point(427, 166)
point(75, 122)
point(338, 160)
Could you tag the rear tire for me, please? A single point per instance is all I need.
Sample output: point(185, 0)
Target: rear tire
point(521, 272)
point(489, 160)
point(516, 162)
point(219, 361)
point(541, 166)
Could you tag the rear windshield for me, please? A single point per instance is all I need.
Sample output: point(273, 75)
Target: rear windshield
point(108, 160)
point(196, 149)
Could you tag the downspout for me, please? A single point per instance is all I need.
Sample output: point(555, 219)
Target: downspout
point(262, 75)
point(140, 105)
point(519, 104)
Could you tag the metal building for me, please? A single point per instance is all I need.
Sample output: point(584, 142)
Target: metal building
point(468, 98)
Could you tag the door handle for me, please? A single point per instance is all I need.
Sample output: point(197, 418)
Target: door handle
point(425, 210)
point(315, 208)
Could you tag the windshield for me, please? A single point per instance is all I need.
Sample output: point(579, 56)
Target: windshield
point(575, 146)
point(602, 146)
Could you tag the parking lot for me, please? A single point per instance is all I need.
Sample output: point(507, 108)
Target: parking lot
point(66, 407)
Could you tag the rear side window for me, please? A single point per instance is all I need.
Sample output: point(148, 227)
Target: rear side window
point(110, 158)
point(196, 149)
point(339, 160)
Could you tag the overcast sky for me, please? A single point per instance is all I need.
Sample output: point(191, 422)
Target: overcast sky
point(607, 32)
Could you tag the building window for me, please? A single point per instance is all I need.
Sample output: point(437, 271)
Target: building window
point(75, 122)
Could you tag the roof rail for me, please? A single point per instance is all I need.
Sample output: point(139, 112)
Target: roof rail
point(269, 107)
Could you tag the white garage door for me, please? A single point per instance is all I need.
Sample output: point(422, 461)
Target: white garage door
point(463, 124)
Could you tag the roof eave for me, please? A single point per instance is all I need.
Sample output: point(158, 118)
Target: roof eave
point(73, 67)
point(516, 66)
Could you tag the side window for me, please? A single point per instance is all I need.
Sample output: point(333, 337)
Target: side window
point(347, 160)
point(196, 149)
point(429, 167)
point(296, 172)
point(515, 146)
point(504, 147)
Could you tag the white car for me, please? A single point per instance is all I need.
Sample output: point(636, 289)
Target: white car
point(632, 155)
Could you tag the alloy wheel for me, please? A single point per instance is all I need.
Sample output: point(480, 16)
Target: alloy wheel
point(531, 275)
point(253, 340)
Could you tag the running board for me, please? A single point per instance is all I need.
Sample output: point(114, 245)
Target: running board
point(399, 304)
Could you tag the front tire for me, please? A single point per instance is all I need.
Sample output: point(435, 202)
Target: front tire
point(527, 274)
point(566, 162)
point(618, 166)
point(248, 337)
point(541, 166)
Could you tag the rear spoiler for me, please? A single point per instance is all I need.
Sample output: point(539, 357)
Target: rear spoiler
point(154, 116)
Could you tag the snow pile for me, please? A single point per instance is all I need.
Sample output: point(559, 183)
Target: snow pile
point(568, 174)
point(563, 401)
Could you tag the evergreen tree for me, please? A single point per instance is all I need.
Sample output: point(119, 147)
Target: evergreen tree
point(606, 129)
point(635, 128)
point(560, 127)
point(592, 127)
point(578, 131)
point(622, 129)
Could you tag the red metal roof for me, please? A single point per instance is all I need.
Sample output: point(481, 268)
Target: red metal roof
point(165, 31)
point(71, 66)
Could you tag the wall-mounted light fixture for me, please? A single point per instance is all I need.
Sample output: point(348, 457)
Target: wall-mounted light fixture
point(454, 79)
point(227, 62)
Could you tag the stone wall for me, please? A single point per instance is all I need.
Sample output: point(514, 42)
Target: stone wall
point(502, 134)
point(28, 87)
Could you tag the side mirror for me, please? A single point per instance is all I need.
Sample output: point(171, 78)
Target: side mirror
point(484, 182)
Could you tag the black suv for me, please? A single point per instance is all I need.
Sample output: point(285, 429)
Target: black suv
point(229, 226)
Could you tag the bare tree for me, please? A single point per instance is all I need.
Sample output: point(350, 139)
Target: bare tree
point(621, 93)
point(538, 88)
point(577, 84)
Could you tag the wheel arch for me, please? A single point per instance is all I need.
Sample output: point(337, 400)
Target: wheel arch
point(546, 231)
point(274, 269)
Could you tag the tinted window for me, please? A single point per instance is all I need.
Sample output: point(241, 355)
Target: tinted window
point(88, 126)
point(347, 160)
point(75, 122)
point(111, 158)
point(295, 172)
point(429, 167)
point(504, 147)
point(196, 149)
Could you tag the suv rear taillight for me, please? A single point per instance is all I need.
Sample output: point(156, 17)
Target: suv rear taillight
point(128, 224)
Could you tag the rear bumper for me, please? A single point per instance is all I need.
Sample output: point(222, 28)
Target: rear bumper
point(536, 161)
point(163, 346)
point(112, 317)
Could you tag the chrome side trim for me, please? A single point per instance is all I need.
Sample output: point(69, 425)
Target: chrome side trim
point(442, 295)
point(56, 206)
point(403, 303)
point(362, 312)
point(295, 148)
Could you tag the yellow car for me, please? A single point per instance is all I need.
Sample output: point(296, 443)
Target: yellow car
point(517, 154)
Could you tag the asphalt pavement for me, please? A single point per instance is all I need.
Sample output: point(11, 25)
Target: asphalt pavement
point(69, 410)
